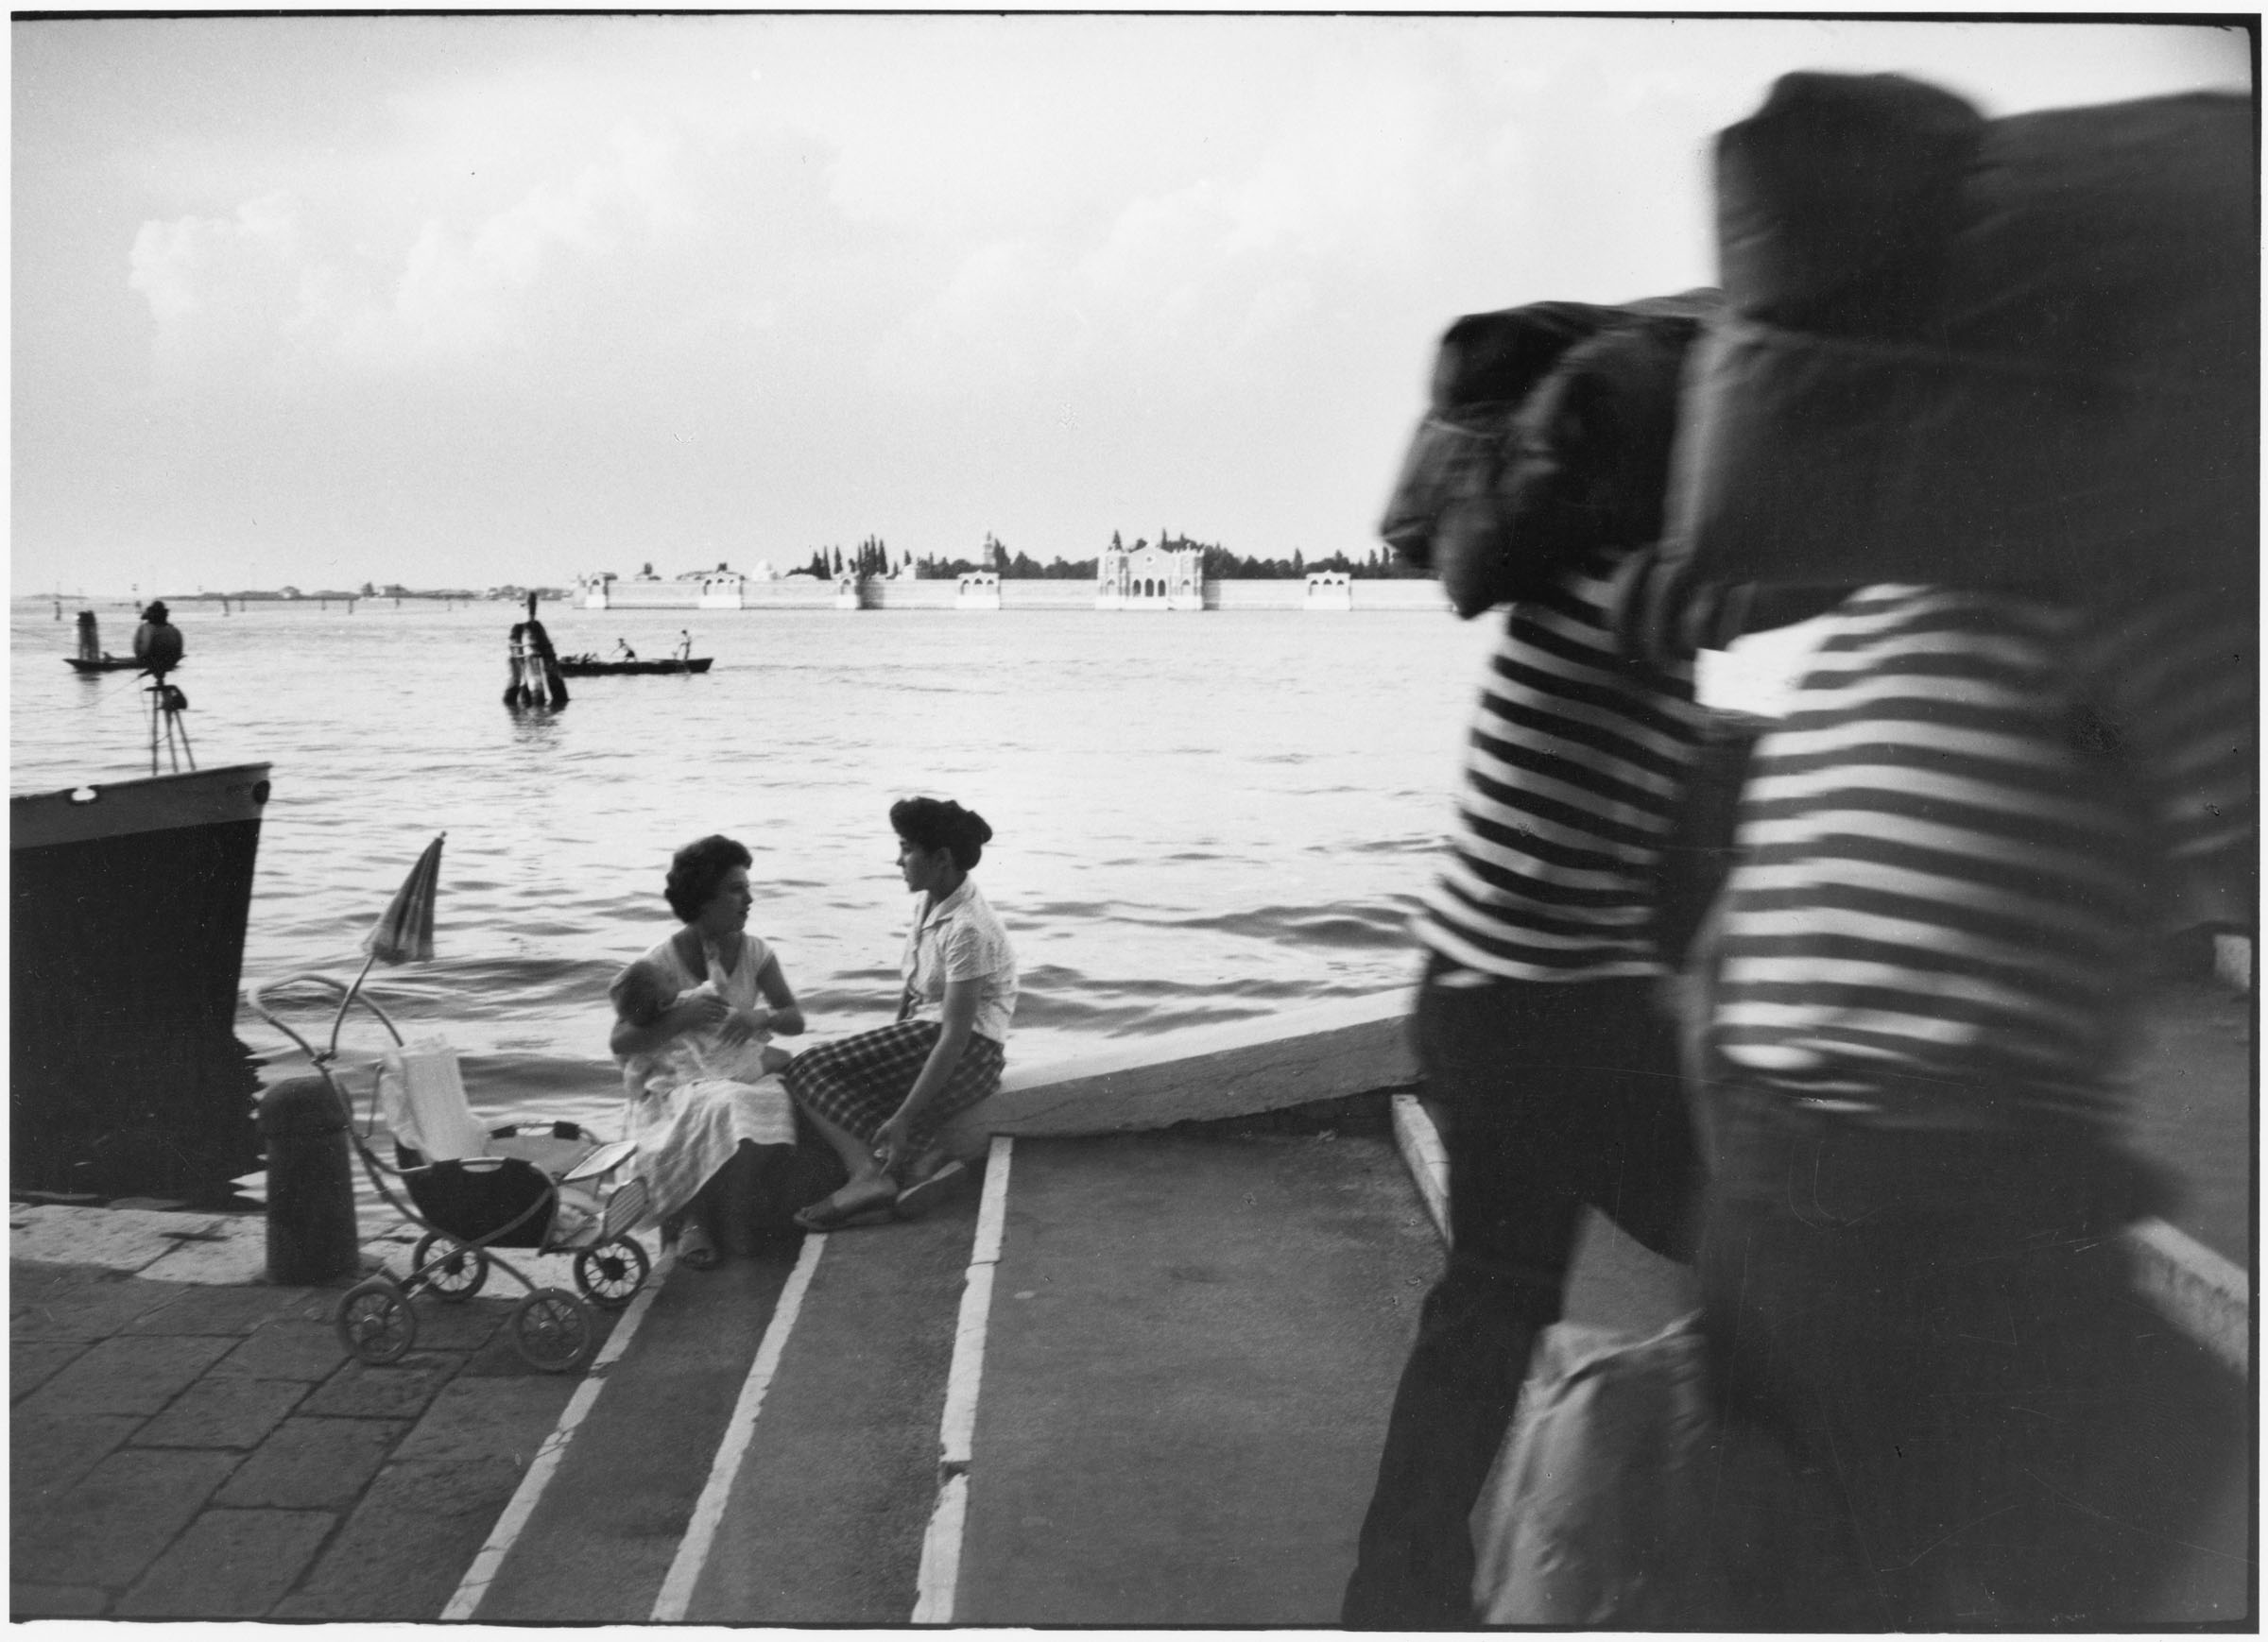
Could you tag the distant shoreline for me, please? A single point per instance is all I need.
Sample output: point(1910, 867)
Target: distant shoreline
point(1027, 593)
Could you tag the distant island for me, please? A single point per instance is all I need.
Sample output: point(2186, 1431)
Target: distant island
point(395, 590)
point(872, 557)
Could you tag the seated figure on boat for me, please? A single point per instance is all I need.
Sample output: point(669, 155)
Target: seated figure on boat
point(157, 641)
point(883, 1098)
point(694, 1017)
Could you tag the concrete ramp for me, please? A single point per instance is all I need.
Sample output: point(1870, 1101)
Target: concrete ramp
point(1193, 1345)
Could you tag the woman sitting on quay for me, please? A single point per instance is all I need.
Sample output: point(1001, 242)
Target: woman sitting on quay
point(882, 1098)
point(710, 1116)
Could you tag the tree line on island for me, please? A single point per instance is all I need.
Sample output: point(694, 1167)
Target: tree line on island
point(873, 558)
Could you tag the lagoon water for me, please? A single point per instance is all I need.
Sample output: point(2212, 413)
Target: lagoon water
point(1197, 818)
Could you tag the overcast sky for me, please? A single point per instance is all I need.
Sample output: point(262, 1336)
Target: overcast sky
point(456, 301)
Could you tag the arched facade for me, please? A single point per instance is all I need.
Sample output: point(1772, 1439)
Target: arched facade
point(724, 589)
point(1150, 579)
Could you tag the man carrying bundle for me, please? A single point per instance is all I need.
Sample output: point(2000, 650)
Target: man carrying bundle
point(1548, 1054)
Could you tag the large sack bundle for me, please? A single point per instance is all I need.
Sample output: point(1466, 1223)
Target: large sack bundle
point(1596, 1509)
point(1548, 435)
point(1979, 350)
point(1623, 1498)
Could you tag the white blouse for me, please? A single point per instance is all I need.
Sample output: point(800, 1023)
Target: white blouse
point(961, 940)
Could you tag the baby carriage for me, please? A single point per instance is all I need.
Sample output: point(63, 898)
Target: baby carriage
point(524, 1183)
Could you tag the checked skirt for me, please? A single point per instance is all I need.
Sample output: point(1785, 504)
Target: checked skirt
point(859, 1082)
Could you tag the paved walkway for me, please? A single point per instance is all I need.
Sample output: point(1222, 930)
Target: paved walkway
point(1187, 1347)
point(184, 1450)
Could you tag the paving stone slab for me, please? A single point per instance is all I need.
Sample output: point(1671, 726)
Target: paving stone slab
point(500, 1355)
point(118, 1518)
point(47, 1303)
point(31, 1363)
point(125, 1240)
point(313, 1464)
point(125, 1375)
point(236, 1254)
point(402, 1552)
point(47, 1457)
point(293, 1347)
point(364, 1391)
point(231, 1411)
point(56, 1601)
point(229, 1565)
point(460, 1325)
point(207, 1309)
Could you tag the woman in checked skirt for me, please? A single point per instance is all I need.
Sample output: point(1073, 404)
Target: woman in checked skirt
point(883, 1098)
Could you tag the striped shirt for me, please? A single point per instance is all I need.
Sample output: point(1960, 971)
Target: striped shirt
point(1940, 891)
point(1573, 776)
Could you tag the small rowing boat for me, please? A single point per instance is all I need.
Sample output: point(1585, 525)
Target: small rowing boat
point(591, 667)
point(92, 657)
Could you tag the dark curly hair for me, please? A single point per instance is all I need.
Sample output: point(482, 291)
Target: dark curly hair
point(696, 872)
point(934, 824)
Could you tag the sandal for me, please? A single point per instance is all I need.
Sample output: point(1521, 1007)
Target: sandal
point(920, 1197)
point(831, 1214)
point(695, 1251)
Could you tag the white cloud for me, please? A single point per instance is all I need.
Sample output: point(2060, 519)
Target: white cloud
point(590, 274)
point(265, 288)
point(213, 282)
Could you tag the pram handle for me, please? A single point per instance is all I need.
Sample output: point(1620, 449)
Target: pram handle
point(256, 996)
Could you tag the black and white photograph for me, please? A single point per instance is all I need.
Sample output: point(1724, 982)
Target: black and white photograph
point(1134, 819)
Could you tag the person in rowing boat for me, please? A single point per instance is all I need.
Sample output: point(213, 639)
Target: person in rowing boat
point(882, 1098)
point(692, 1022)
point(623, 651)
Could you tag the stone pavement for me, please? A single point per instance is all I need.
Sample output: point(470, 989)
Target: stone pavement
point(189, 1442)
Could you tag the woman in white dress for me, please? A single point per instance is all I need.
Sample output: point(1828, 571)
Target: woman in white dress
point(692, 1020)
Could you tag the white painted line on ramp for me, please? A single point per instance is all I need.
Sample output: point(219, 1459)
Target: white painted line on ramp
point(1422, 1155)
point(709, 1511)
point(474, 1585)
point(2207, 1296)
point(940, 1573)
point(942, 1553)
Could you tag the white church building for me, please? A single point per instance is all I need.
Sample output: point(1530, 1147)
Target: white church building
point(1144, 577)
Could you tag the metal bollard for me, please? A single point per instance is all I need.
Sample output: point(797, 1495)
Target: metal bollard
point(312, 1236)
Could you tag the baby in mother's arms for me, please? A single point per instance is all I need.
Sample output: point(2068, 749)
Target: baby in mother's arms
point(716, 1109)
point(714, 1126)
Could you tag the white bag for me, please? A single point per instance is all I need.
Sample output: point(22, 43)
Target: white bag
point(1597, 1510)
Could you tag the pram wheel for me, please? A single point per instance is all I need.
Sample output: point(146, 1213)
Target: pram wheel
point(458, 1273)
point(611, 1273)
point(375, 1322)
point(553, 1330)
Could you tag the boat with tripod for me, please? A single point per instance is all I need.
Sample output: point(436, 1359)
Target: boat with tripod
point(127, 910)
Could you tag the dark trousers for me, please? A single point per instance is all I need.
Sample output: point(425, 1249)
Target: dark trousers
point(1940, 1328)
point(1553, 1096)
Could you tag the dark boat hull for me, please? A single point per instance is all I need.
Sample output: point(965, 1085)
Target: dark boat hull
point(108, 664)
point(608, 669)
point(127, 915)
